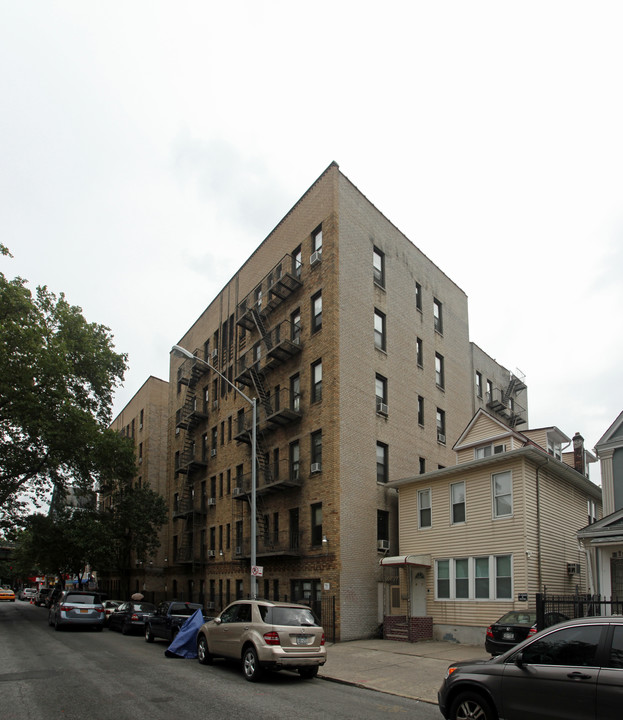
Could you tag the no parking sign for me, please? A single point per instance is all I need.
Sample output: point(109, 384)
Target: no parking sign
point(257, 571)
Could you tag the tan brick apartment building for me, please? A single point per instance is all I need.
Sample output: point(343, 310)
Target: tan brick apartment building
point(357, 348)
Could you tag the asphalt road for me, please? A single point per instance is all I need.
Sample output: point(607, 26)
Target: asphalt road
point(78, 673)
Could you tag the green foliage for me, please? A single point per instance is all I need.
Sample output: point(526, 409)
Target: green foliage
point(58, 374)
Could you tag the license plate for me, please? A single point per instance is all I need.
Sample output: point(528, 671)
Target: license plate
point(84, 611)
point(304, 639)
point(508, 636)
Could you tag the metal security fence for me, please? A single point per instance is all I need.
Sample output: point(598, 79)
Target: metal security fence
point(574, 606)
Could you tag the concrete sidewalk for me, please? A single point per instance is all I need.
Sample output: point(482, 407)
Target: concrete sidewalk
point(413, 670)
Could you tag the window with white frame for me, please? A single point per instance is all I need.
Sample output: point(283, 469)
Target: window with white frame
point(439, 371)
point(457, 501)
point(502, 494)
point(317, 240)
point(378, 264)
point(470, 578)
point(438, 315)
point(379, 330)
point(424, 508)
point(488, 450)
point(478, 384)
point(380, 386)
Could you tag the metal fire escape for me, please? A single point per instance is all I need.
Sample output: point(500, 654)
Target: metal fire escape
point(503, 401)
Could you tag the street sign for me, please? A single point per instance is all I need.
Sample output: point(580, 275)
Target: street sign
point(257, 571)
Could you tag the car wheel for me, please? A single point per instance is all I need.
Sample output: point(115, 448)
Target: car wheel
point(149, 637)
point(307, 673)
point(203, 654)
point(470, 705)
point(57, 625)
point(125, 630)
point(251, 665)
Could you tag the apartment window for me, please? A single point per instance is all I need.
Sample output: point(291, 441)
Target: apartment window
point(381, 462)
point(276, 463)
point(489, 391)
point(461, 579)
point(379, 330)
point(439, 371)
point(380, 385)
point(295, 325)
point(378, 263)
point(418, 296)
point(425, 519)
point(382, 525)
point(295, 392)
point(275, 529)
point(141, 419)
point(457, 501)
point(228, 536)
point(140, 452)
point(295, 460)
point(441, 426)
point(478, 384)
point(316, 449)
point(229, 429)
point(419, 352)
point(316, 321)
point(316, 377)
point(297, 261)
point(317, 240)
point(420, 410)
point(316, 524)
point(438, 316)
point(502, 494)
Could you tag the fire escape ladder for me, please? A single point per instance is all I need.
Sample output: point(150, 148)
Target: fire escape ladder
point(260, 389)
point(261, 327)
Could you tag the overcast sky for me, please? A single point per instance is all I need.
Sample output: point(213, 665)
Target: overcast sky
point(146, 148)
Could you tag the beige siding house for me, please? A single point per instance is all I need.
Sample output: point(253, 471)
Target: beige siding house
point(484, 536)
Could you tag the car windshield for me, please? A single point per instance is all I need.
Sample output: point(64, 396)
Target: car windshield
point(144, 607)
point(517, 618)
point(82, 599)
point(287, 616)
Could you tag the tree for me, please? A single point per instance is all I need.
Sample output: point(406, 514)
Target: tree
point(57, 377)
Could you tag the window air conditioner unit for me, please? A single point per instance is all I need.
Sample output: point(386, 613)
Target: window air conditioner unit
point(238, 550)
point(381, 407)
point(383, 544)
point(315, 258)
point(215, 404)
point(211, 501)
point(210, 553)
point(213, 452)
point(441, 437)
point(315, 467)
point(573, 568)
point(209, 605)
point(214, 354)
point(236, 491)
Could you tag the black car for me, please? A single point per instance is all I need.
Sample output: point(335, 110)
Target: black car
point(515, 626)
point(52, 596)
point(129, 617)
point(573, 670)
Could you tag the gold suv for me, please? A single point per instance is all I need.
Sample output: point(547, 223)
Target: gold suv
point(264, 635)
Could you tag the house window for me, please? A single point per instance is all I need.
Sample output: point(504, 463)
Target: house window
point(295, 392)
point(317, 240)
point(295, 460)
point(418, 296)
point(382, 525)
point(419, 352)
point(439, 371)
point(503, 578)
point(488, 450)
point(478, 384)
point(316, 524)
point(481, 578)
point(438, 316)
point(316, 376)
point(592, 511)
point(461, 579)
point(295, 325)
point(378, 262)
point(316, 448)
point(381, 462)
point(380, 388)
point(422, 465)
point(379, 330)
point(316, 320)
point(420, 410)
point(442, 571)
point(502, 494)
point(424, 508)
point(457, 500)
point(441, 426)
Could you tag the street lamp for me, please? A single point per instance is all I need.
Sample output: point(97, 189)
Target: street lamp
point(177, 350)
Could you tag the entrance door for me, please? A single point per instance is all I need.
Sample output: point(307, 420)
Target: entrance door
point(418, 594)
point(616, 577)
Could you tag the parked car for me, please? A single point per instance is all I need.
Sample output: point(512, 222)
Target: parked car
point(27, 593)
point(169, 617)
point(515, 626)
point(109, 607)
point(53, 596)
point(76, 607)
point(7, 594)
point(41, 595)
point(264, 635)
point(130, 617)
point(572, 670)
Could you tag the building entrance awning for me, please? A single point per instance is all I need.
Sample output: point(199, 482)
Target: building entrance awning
point(404, 560)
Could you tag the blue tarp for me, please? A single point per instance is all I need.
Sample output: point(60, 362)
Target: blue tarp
point(184, 644)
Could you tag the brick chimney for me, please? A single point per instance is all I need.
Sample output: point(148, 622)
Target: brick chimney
point(578, 453)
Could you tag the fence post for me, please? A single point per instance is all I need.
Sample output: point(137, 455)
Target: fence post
point(540, 611)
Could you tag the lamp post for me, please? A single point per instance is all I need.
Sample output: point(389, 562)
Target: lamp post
point(178, 350)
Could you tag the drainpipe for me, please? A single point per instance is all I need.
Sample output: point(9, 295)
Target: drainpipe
point(538, 525)
point(589, 567)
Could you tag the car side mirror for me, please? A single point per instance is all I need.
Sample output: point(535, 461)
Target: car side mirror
point(217, 621)
point(519, 660)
